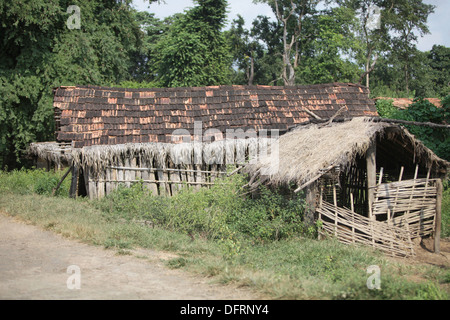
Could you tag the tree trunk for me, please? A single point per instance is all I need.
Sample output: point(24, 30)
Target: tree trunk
point(252, 71)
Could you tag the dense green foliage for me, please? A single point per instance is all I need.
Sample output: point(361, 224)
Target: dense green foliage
point(219, 212)
point(115, 45)
point(437, 139)
point(39, 52)
point(195, 52)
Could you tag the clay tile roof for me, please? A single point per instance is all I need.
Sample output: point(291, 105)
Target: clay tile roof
point(90, 115)
point(403, 103)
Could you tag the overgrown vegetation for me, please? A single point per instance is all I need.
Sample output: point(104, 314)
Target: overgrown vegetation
point(421, 110)
point(218, 213)
point(258, 242)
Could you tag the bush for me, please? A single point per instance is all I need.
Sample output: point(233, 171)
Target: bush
point(220, 212)
point(386, 109)
point(28, 181)
point(421, 110)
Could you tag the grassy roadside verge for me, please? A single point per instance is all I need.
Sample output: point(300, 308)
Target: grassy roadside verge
point(295, 267)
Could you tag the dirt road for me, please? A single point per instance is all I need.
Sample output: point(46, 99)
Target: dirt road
point(34, 264)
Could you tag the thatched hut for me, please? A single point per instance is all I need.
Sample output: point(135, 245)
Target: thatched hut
point(366, 181)
point(170, 136)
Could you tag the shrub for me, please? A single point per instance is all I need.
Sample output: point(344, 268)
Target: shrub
point(28, 181)
point(421, 110)
point(220, 212)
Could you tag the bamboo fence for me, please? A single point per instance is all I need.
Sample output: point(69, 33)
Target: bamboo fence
point(411, 200)
point(402, 210)
point(351, 228)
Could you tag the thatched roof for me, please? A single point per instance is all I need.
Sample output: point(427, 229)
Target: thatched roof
point(310, 151)
point(88, 115)
point(158, 155)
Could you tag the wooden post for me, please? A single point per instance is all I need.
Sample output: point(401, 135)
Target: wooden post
point(311, 192)
point(320, 206)
point(352, 206)
point(371, 176)
point(437, 228)
point(92, 184)
point(335, 210)
point(101, 183)
point(73, 191)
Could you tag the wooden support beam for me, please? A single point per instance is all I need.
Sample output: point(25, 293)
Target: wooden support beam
point(371, 175)
point(438, 218)
point(61, 181)
point(311, 195)
point(73, 191)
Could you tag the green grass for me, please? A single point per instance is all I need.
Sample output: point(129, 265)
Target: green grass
point(289, 265)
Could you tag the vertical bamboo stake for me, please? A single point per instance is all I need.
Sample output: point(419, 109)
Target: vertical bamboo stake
point(396, 193)
point(401, 173)
point(412, 193)
point(137, 173)
point(167, 178)
point(114, 177)
point(161, 178)
point(120, 172)
point(145, 175)
point(335, 210)
point(437, 228)
point(92, 185)
point(152, 175)
point(319, 232)
point(175, 177)
point(133, 173)
point(353, 217)
point(371, 175)
point(101, 184)
point(380, 178)
point(108, 181)
point(409, 236)
point(389, 221)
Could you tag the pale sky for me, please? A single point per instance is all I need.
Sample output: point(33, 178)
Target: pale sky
point(438, 22)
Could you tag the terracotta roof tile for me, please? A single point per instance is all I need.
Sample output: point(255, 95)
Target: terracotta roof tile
point(89, 115)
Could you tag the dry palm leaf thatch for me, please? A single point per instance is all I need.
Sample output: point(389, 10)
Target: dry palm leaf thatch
point(52, 151)
point(310, 151)
point(98, 157)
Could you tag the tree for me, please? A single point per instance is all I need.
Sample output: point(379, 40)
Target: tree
point(371, 30)
point(439, 61)
point(329, 56)
point(40, 52)
point(405, 19)
point(291, 16)
point(144, 69)
point(194, 52)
